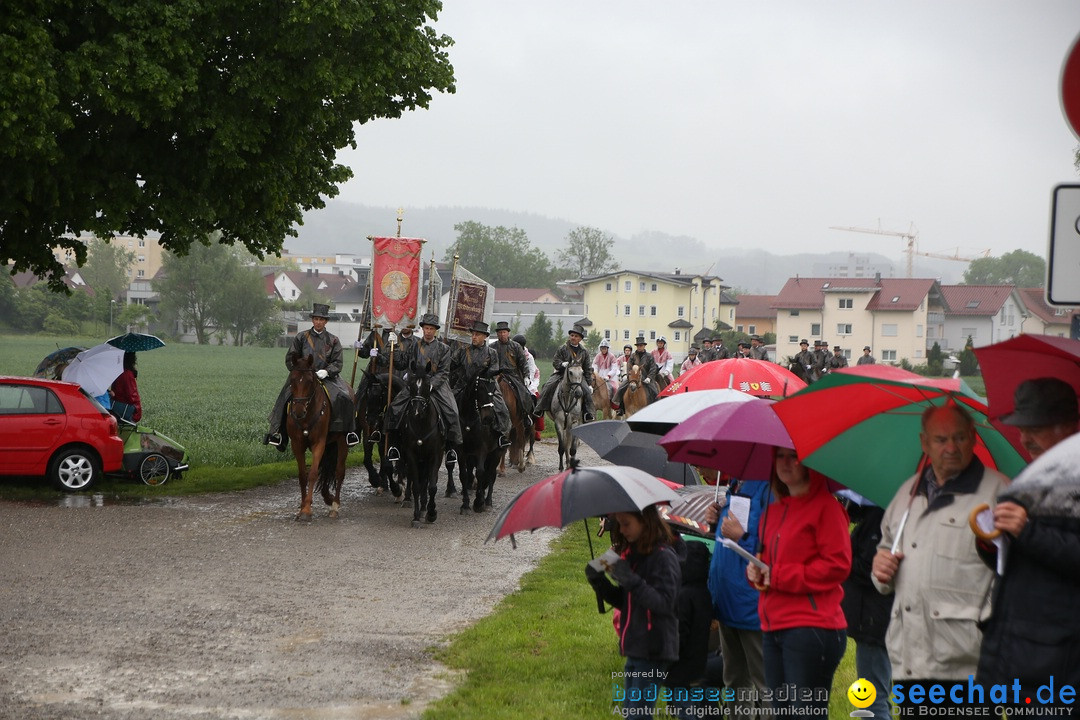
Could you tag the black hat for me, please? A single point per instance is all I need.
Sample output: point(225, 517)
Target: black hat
point(717, 339)
point(755, 337)
point(1043, 401)
point(708, 340)
point(744, 344)
point(640, 340)
point(817, 343)
point(804, 341)
point(577, 330)
point(502, 325)
point(866, 347)
point(836, 348)
point(480, 327)
point(430, 319)
point(320, 310)
point(519, 339)
point(694, 349)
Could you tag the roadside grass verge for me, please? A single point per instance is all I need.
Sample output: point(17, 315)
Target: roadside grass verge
point(545, 651)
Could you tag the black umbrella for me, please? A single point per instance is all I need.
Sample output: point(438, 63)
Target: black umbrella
point(614, 441)
point(136, 342)
point(56, 359)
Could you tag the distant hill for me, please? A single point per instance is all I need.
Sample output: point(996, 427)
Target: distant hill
point(343, 227)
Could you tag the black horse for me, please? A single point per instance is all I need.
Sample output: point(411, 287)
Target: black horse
point(370, 412)
point(421, 443)
point(480, 451)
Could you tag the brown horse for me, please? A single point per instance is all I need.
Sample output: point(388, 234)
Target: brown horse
point(308, 425)
point(636, 395)
point(601, 397)
point(520, 435)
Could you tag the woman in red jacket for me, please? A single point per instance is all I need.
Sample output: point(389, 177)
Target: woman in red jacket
point(807, 548)
point(126, 404)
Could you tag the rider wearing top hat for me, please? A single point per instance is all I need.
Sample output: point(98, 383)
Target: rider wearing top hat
point(478, 359)
point(757, 348)
point(837, 360)
point(572, 353)
point(377, 347)
point(325, 349)
point(645, 362)
point(514, 366)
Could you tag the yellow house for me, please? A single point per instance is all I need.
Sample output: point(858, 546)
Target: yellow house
point(145, 261)
point(624, 304)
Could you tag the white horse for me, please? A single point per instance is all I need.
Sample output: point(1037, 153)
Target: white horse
point(565, 413)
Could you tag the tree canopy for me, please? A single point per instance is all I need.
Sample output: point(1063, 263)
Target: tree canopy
point(502, 256)
point(587, 252)
point(191, 118)
point(1019, 267)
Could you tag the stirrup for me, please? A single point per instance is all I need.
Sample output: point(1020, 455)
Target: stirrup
point(273, 439)
point(451, 456)
point(392, 454)
point(375, 436)
point(588, 417)
point(352, 439)
point(504, 441)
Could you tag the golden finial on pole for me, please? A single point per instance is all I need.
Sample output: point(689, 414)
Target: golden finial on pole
point(400, 213)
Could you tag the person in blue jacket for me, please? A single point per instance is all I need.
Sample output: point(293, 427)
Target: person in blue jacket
point(735, 602)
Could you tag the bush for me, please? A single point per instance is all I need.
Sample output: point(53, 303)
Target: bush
point(59, 325)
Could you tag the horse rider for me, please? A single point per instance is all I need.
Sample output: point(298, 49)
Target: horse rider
point(645, 362)
point(623, 361)
point(692, 360)
point(478, 359)
point(665, 363)
point(429, 349)
point(532, 382)
point(378, 346)
point(805, 359)
point(867, 357)
point(707, 353)
point(571, 353)
point(325, 349)
point(514, 362)
point(757, 348)
point(821, 357)
point(406, 340)
point(607, 365)
point(837, 360)
point(719, 352)
point(744, 350)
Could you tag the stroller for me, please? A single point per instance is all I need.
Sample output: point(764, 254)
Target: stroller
point(151, 456)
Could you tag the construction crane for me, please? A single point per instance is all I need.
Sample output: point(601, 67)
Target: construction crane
point(954, 256)
point(911, 236)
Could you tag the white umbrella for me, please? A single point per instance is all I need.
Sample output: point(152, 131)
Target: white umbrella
point(96, 368)
point(666, 412)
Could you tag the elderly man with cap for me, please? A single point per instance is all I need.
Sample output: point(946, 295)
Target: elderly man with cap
point(514, 366)
point(837, 360)
point(480, 360)
point(805, 359)
point(430, 350)
point(607, 365)
point(645, 362)
point(571, 353)
point(867, 358)
point(665, 363)
point(719, 352)
point(707, 354)
point(691, 361)
point(757, 348)
point(1033, 636)
point(325, 351)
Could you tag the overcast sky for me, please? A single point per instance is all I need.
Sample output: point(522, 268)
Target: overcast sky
point(745, 125)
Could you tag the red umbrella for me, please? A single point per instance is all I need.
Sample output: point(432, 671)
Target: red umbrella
point(756, 377)
point(580, 493)
point(1008, 363)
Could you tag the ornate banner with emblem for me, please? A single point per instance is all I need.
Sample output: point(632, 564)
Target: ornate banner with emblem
point(471, 299)
point(395, 280)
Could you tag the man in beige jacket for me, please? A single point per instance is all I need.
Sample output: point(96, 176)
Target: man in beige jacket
point(942, 586)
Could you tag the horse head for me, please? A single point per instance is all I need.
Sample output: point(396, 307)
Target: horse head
point(302, 386)
point(633, 378)
point(480, 397)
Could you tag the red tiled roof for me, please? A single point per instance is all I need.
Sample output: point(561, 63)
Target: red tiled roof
point(756, 306)
point(888, 293)
point(901, 294)
point(1035, 301)
point(521, 294)
point(975, 299)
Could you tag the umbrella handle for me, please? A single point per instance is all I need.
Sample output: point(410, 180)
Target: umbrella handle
point(977, 529)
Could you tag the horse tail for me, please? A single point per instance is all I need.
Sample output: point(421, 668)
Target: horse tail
point(328, 467)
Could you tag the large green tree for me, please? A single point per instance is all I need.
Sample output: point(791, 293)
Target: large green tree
point(502, 256)
point(193, 117)
point(587, 252)
point(1019, 267)
point(241, 305)
point(189, 287)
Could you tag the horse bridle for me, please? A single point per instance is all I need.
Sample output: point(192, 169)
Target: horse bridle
point(573, 394)
point(301, 418)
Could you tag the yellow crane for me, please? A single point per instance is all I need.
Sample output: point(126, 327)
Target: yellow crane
point(911, 236)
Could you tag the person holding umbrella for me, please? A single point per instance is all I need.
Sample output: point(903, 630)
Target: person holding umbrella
point(807, 552)
point(1034, 631)
point(126, 403)
point(649, 579)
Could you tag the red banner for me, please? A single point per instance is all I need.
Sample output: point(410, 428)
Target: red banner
point(395, 280)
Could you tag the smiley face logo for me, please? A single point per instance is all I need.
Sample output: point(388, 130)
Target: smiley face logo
point(862, 693)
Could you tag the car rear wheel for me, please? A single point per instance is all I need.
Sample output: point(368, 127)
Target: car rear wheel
point(74, 469)
point(154, 469)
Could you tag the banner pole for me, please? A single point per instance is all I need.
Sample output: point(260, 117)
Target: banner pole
point(451, 300)
point(365, 313)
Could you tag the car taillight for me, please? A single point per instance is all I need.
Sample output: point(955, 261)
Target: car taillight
point(114, 427)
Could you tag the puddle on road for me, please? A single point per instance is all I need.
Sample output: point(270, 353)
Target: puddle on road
point(91, 500)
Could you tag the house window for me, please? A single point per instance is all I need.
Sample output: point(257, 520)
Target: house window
point(627, 286)
point(846, 303)
point(641, 310)
point(141, 273)
point(652, 334)
point(626, 309)
point(889, 330)
point(738, 328)
point(843, 328)
point(918, 331)
point(678, 336)
point(968, 333)
point(653, 288)
point(641, 287)
point(793, 339)
point(607, 334)
point(752, 330)
point(625, 334)
point(888, 355)
point(142, 242)
point(607, 286)
point(680, 311)
point(794, 313)
point(652, 310)
point(815, 329)
point(695, 313)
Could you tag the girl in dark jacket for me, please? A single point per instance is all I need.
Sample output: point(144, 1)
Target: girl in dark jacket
point(649, 578)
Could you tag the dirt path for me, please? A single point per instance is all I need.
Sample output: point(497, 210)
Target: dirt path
point(224, 607)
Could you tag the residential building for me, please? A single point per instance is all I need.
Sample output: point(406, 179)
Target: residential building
point(856, 266)
point(985, 313)
point(520, 306)
point(891, 315)
point(624, 304)
point(755, 314)
point(1043, 319)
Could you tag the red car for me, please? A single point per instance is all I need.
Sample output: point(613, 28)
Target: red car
point(53, 428)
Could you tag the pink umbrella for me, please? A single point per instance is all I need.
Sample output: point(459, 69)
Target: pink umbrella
point(736, 437)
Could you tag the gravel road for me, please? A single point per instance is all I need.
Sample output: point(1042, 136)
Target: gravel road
point(222, 606)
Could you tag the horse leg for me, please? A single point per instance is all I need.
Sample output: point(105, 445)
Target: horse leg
point(300, 453)
point(374, 478)
point(451, 489)
point(529, 459)
point(480, 475)
point(466, 481)
point(339, 477)
point(310, 480)
point(328, 470)
point(432, 490)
